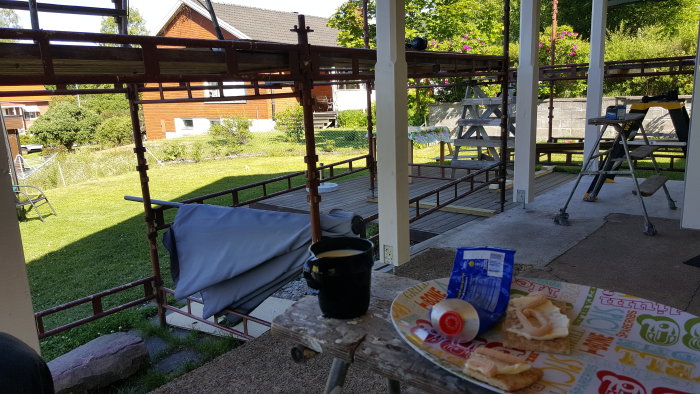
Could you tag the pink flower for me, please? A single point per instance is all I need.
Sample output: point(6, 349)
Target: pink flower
point(467, 48)
point(575, 47)
point(483, 43)
point(540, 45)
point(572, 53)
point(571, 34)
point(434, 43)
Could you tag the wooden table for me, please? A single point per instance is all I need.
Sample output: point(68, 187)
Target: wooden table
point(370, 340)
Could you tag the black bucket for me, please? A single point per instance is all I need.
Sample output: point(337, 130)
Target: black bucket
point(340, 268)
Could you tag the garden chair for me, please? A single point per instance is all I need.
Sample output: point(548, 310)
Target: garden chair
point(26, 195)
point(323, 103)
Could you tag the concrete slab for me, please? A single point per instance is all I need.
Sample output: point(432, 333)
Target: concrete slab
point(532, 232)
point(620, 258)
point(267, 311)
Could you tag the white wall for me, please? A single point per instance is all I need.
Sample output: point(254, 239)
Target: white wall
point(202, 125)
point(350, 98)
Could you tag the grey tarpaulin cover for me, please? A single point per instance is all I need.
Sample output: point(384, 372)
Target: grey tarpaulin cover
point(237, 257)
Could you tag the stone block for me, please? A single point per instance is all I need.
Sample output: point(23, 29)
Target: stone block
point(99, 363)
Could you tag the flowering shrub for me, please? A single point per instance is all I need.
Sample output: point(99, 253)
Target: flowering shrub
point(569, 47)
point(468, 43)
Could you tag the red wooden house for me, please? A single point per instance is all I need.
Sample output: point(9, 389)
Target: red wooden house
point(19, 113)
point(190, 18)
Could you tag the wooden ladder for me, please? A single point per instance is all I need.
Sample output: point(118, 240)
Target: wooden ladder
point(473, 147)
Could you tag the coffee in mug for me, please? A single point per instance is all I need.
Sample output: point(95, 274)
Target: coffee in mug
point(340, 268)
point(339, 253)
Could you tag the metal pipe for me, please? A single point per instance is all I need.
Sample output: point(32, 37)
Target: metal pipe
point(142, 168)
point(215, 20)
point(311, 158)
point(33, 14)
point(58, 8)
point(552, 50)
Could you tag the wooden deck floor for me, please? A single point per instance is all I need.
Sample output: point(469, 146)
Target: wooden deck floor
point(352, 195)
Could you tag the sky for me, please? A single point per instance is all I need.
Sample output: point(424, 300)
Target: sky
point(155, 11)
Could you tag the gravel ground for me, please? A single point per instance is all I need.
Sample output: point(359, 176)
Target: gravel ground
point(293, 290)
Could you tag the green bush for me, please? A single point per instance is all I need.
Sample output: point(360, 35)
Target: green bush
point(173, 152)
point(352, 118)
point(569, 49)
point(65, 123)
point(197, 151)
point(26, 139)
point(291, 122)
point(115, 131)
point(234, 131)
point(649, 42)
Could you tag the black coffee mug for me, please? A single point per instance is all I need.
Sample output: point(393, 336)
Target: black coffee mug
point(340, 268)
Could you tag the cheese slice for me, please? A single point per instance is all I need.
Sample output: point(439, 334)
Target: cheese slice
point(560, 322)
point(478, 363)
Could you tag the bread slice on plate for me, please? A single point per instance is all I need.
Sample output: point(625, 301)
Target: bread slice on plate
point(501, 370)
point(509, 382)
point(557, 341)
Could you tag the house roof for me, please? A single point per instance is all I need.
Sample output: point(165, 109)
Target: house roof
point(260, 24)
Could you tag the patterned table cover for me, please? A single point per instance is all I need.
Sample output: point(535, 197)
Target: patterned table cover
point(621, 344)
point(430, 134)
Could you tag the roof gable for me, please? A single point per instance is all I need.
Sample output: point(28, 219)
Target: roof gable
point(260, 24)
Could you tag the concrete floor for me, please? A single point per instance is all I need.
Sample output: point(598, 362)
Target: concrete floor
point(590, 251)
point(532, 232)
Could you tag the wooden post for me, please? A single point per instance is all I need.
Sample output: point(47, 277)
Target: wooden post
point(594, 95)
point(392, 154)
point(526, 113)
point(505, 105)
point(372, 162)
point(16, 312)
point(691, 215)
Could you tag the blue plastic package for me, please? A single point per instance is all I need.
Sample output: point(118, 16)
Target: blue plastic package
point(482, 277)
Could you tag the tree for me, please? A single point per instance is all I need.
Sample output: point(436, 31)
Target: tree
point(115, 131)
point(436, 20)
point(672, 15)
point(65, 123)
point(136, 24)
point(8, 18)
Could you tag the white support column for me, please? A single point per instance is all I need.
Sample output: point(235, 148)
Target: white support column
point(16, 312)
point(594, 94)
point(526, 113)
point(392, 124)
point(691, 197)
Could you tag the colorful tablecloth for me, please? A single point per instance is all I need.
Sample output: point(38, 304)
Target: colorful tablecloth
point(620, 343)
point(430, 134)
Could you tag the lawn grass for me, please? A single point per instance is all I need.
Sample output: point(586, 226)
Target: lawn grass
point(98, 239)
point(91, 162)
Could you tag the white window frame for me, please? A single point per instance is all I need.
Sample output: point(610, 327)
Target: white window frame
point(16, 111)
point(184, 124)
point(233, 91)
point(29, 115)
